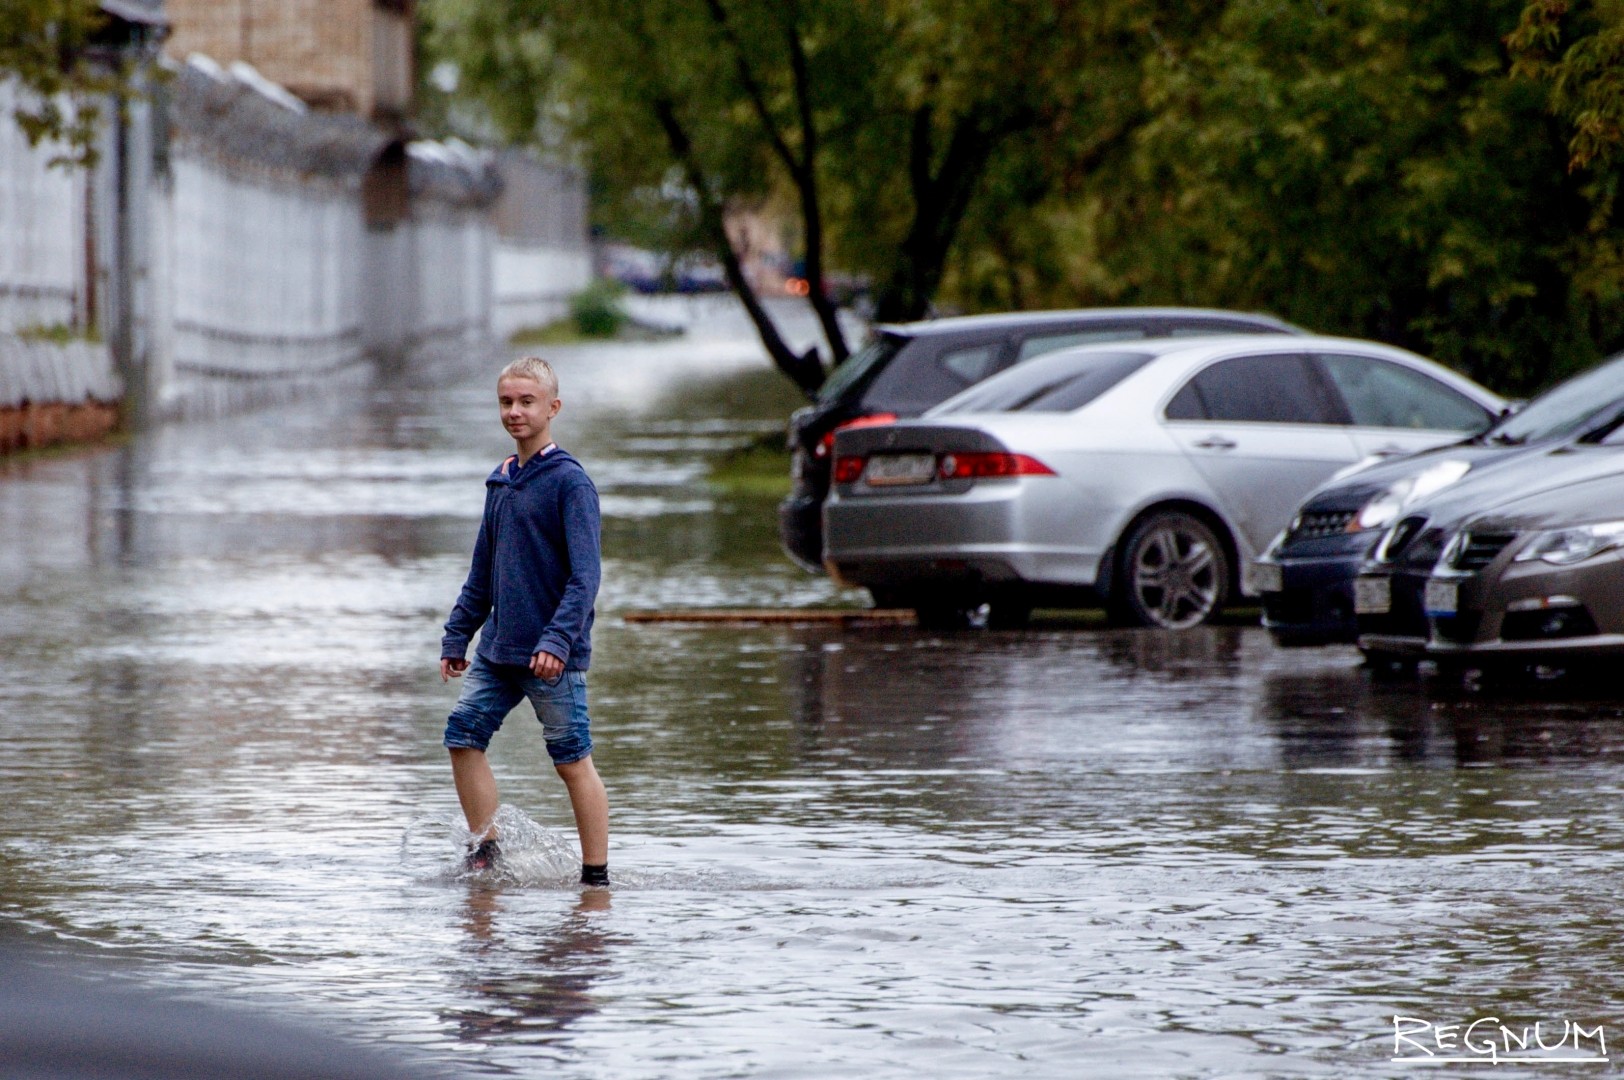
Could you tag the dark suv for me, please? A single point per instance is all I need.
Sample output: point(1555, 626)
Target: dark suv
point(905, 369)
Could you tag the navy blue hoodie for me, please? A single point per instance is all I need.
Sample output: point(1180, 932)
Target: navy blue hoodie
point(535, 571)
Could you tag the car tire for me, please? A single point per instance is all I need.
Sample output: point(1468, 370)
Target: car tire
point(1173, 573)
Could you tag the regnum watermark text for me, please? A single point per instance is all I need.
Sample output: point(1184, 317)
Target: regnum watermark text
point(1490, 1040)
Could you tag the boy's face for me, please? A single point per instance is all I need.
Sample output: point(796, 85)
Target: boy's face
point(527, 406)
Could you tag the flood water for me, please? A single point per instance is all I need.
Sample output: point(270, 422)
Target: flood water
point(1065, 851)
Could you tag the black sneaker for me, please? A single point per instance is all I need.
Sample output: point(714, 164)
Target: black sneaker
point(595, 877)
point(484, 857)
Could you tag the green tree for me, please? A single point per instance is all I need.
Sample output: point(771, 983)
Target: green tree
point(1365, 167)
point(1578, 48)
point(685, 107)
point(879, 123)
point(45, 45)
point(978, 108)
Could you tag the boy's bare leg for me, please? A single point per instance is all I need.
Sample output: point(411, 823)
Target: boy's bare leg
point(476, 789)
point(591, 805)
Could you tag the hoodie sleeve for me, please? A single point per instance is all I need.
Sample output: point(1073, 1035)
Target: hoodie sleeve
point(474, 602)
point(581, 538)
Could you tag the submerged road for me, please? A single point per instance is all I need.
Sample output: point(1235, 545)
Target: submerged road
point(864, 850)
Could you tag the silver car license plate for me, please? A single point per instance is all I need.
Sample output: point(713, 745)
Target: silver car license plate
point(889, 470)
point(1267, 577)
point(1372, 595)
point(1442, 597)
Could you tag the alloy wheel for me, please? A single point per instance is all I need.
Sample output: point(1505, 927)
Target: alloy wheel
point(1175, 572)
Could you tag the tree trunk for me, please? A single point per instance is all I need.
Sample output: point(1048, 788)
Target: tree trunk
point(805, 371)
point(941, 197)
point(802, 168)
point(806, 181)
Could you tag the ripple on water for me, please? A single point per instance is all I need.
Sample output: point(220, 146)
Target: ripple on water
point(1059, 852)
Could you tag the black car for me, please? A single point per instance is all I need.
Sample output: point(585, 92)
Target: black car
point(905, 369)
point(1306, 578)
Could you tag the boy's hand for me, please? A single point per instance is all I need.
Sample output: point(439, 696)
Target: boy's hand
point(544, 665)
point(452, 669)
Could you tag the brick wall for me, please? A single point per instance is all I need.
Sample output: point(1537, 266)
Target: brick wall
point(325, 51)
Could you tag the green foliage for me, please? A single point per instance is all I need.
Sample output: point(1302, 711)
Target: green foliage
point(1365, 167)
point(57, 333)
point(557, 332)
point(596, 309)
point(44, 47)
point(1578, 48)
point(877, 122)
point(760, 468)
point(1440, 176)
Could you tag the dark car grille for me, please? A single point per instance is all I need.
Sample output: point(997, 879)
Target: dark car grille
point(1318, 524)
point(1422, 551)
point(1480, 549)
point(1403, 533)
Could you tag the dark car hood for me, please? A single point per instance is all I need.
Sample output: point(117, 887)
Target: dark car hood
point(1562, 482)
point(1568, 501)
point(1488, 462)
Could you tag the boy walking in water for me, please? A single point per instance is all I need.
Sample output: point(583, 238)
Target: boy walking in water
point(532, 585)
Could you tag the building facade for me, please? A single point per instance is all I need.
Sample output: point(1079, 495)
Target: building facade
point(350, 56)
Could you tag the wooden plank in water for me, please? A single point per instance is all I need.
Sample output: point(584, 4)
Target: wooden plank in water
point(764, 616)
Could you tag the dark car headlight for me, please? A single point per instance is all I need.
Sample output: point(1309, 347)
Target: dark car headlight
point(1385, 508)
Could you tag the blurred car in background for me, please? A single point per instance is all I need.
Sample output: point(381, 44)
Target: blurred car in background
point(1306, 576)
point(651, 272)
point(1143, 475)
point(905, 369)
point(1535, 577)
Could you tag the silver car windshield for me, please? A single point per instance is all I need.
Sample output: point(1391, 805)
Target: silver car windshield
point(1567, 408)
point(1059, 382)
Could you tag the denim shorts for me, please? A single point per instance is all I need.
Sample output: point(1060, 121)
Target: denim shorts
point(490, 691)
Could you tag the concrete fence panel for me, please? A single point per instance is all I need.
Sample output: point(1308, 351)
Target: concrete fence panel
point(42, 229)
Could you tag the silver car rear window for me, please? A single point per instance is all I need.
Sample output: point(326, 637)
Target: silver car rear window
point(1059, 382)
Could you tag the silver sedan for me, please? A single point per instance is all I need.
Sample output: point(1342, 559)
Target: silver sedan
point(1143, 477)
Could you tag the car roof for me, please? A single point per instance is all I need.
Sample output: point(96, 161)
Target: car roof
point(1224, 343)
point(1016, 320)
point(1173, 358)
point(1204, 345)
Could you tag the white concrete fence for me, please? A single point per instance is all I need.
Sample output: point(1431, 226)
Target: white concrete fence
point(268, 250)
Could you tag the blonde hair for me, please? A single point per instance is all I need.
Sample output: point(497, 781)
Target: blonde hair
point(533, 368)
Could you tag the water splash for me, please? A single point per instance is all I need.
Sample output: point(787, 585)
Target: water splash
point(433, 849)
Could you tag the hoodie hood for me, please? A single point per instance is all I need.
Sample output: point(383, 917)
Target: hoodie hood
point(510, 474)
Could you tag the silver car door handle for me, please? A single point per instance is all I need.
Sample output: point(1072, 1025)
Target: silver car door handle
point(1216, 442)
point(1390, 451)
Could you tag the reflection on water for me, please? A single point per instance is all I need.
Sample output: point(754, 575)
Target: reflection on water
point(531, 989)
point(1056, 851)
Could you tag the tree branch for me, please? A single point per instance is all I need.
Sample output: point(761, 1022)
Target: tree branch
point(752, 88)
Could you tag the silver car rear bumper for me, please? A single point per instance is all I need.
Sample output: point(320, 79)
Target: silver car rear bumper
point(978, 534)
